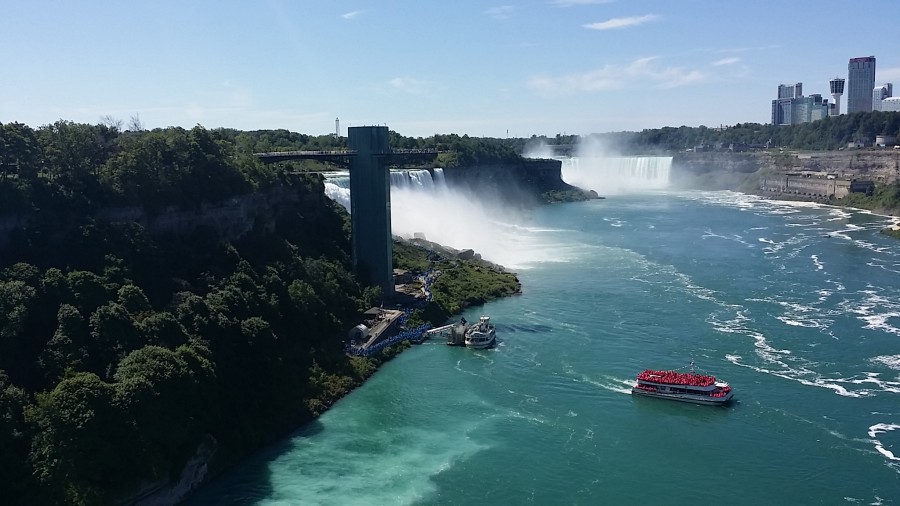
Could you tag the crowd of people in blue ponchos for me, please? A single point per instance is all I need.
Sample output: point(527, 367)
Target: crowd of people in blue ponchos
point(415, 335)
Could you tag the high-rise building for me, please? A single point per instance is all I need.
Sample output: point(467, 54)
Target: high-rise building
point(860, 83)
point(881, 92)
point(791, 107)
point(837, 89)
point(790, 90)
point(781, 111)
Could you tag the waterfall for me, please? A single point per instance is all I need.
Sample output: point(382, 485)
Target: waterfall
point(422, 205)
point(614, 175)
point(418, 180)
point(337, 184)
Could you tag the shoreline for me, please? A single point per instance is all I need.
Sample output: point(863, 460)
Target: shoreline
point(365, 367)
point(883, 213)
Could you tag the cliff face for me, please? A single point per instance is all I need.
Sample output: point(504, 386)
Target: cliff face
point(876, 165)
point(523, 182)
point(231, 218)
point(712, 171)
point(805, 176)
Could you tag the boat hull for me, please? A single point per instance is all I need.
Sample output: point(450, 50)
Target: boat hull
point(480, 345)
point(690, 398)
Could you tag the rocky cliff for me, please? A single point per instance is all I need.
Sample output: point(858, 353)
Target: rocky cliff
point(712, 171)
point(231, 218)
point(728, 171)
point(525, 181)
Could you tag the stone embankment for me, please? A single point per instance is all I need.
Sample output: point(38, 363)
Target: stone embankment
point(802, 175)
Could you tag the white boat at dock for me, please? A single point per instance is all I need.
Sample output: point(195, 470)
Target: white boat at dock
point(481, 335)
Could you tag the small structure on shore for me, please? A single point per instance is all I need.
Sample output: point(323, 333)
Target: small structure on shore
point(378, 325)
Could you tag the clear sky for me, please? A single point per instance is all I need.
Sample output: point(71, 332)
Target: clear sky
point(422, 67)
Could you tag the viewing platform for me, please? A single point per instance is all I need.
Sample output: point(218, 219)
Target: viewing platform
point(343, 156)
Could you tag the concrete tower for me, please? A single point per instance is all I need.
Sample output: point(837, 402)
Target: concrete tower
point(837, 89)
point(337, 127)
point(370, 207)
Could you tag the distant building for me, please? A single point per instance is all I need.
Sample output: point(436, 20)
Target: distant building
point(781, 111)
point(860, 83)
point(796, 110)
point(790, 90)
point(890, 104)
point(881, 92)
point(885, 140)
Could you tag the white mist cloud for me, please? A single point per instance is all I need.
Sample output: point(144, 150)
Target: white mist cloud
point(621, 22)
point(538, 149)
point(598, 167)
point(461, 220)
point(610, 77)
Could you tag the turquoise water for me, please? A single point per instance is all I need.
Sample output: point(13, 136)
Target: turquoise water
point(797, 306)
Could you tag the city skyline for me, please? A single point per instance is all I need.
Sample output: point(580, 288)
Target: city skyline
point(483, 69)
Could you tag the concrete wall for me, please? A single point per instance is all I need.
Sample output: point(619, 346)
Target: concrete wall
point(803, 186)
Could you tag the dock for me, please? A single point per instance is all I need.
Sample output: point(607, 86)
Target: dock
point(455, 333)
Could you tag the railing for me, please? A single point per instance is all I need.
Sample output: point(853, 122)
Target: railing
point(415, 335)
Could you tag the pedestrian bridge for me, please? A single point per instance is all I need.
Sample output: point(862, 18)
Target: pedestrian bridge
point(343, 156)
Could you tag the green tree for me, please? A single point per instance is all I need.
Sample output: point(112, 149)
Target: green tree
point(76, 450)
point(132, 298)
point(163, 329)
point(67, 348)
point(158, 394)
point(113, 335)
point(14, 469)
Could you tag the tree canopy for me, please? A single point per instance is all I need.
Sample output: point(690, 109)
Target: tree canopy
point(120, 349)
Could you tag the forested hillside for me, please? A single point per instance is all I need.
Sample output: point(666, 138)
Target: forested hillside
point(122, 351)
point(119, 349)
point(830, 133)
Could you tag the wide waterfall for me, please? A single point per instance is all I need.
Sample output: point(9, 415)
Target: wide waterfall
point(423, 205)
point(617, 175)
point(337, 184)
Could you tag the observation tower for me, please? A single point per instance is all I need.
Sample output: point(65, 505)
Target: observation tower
point(837, 89)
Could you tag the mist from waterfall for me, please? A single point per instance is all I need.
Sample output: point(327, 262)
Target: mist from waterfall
point(596, 167)
point(423, 204)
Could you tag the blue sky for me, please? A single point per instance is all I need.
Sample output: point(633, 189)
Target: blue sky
point(421, 67)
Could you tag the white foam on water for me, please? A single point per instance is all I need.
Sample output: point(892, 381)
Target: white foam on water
point(348, 472)
point(882, 428)
point(708, 233)
point(611, 383)
point(891, 361)
point(794, 375)
point(819, 265)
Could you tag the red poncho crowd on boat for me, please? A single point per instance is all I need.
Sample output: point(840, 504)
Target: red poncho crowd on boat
point(720, 392)
point(677, 378)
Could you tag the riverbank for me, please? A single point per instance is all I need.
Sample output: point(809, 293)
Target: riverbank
point(462, 279)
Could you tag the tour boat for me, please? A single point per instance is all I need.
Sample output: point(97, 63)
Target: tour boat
point(683, 386)
point(481, 334)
